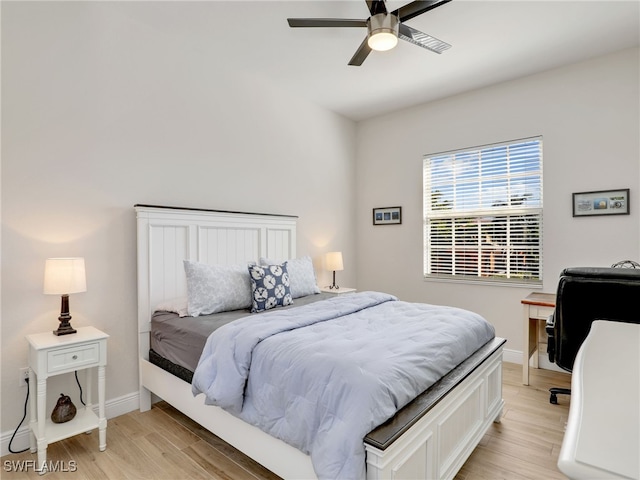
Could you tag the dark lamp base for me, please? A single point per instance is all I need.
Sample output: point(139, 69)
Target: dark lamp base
point(65, 329)
point(333, 285)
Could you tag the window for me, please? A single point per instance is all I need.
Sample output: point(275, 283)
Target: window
point(483, 213)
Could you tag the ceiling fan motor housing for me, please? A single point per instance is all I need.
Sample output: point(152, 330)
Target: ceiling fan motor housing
point(383, 31)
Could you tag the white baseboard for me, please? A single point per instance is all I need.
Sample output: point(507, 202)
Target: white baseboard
point(113, 408)
point(515, 356)
point(512, 356)
point(543, 362)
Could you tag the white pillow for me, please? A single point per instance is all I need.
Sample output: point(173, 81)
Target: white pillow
point(302, 276)
point(216, 288)
point(175, 305)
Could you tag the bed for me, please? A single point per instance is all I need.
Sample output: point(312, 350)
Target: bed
point(430, 437)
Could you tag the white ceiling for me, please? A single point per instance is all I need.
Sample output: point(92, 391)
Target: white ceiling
point(493, 41)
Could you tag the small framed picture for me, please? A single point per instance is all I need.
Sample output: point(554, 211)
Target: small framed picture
point(387, 216)
point(603, 202)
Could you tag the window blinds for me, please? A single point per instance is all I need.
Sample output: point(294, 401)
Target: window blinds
point(483, 212)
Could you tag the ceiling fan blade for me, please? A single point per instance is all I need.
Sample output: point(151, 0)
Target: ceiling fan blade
point(376, 6)
point(326, 22)
point(361, 54)
point(417, 7)
point(422, 39)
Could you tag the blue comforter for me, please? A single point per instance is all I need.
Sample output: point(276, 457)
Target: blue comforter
point(324, 375)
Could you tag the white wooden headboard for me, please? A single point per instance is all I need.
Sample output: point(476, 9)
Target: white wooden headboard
point(169, 235)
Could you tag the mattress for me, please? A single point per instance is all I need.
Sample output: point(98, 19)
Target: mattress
point(180, 340)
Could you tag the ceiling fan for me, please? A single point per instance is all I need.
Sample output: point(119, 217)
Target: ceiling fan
point(383, 27)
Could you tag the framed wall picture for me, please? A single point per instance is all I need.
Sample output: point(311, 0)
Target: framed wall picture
point(603, 202)
point(387, 216)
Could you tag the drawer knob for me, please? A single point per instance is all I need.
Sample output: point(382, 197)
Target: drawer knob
point(75, 357)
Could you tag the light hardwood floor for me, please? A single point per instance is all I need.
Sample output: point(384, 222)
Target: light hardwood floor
point(164, 444)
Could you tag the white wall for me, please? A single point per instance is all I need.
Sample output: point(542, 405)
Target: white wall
point(588, 115)
point(100, 113)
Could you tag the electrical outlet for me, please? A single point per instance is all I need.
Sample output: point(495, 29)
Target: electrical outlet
point(23, 377)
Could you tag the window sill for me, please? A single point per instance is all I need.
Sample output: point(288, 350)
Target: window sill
point(486, 282)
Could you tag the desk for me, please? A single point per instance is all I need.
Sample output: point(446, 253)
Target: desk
point(536, 307)
point(602, 439)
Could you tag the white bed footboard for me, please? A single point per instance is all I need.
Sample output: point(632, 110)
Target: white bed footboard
point(439, 443)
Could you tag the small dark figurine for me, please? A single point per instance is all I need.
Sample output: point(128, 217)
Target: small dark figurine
point(65, 410)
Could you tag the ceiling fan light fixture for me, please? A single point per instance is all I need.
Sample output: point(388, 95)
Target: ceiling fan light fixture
point(382, 41)
point(383, 31)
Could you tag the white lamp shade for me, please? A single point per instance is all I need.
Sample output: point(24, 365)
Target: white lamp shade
point(333, 261)
point(63, 276)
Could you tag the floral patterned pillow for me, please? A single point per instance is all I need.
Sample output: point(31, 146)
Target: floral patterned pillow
point(216, 288)
point(269, 287)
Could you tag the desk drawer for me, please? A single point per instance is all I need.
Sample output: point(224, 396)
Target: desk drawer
point(541, 313)
point(72, 358)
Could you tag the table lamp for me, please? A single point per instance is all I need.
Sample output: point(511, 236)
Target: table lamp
point(63, 276)
point(333, 262)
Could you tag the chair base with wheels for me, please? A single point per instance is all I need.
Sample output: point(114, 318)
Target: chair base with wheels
point(555, 391)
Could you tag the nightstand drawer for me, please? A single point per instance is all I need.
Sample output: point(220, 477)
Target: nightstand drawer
point(73, 358)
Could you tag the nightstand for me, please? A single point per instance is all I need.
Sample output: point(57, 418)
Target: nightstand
point(338, 291)
point(51, 355)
